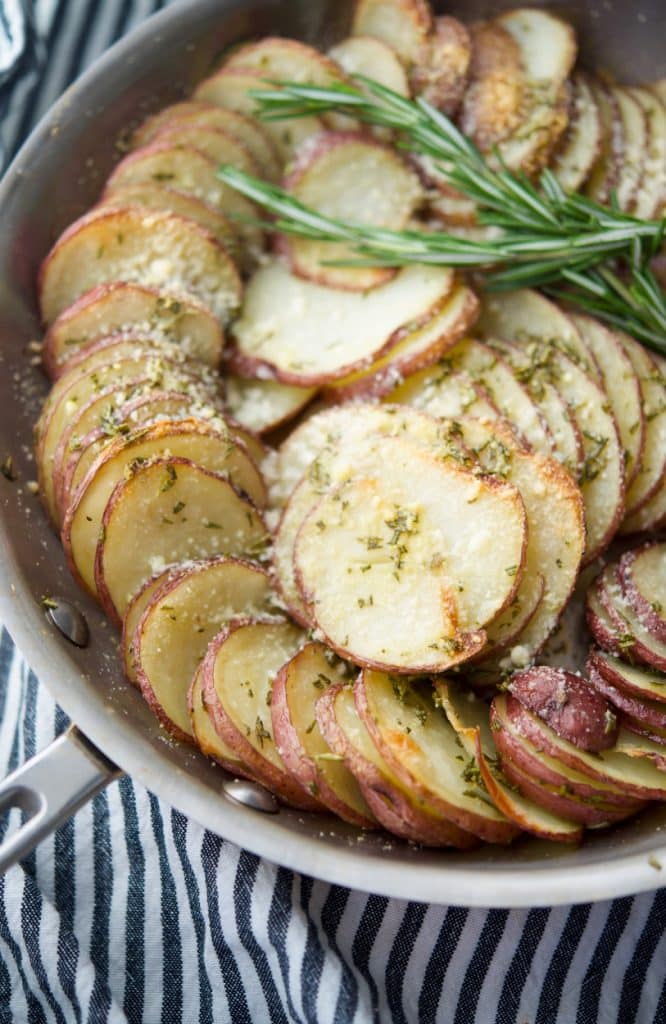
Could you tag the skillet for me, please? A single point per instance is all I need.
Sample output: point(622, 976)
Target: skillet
point(55, 177)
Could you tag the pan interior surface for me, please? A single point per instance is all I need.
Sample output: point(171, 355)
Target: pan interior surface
point(56, 176)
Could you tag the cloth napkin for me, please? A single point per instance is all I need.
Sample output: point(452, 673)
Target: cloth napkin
point(133, 913)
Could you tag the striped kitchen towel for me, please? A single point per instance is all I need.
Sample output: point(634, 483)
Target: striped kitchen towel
point(133, 913)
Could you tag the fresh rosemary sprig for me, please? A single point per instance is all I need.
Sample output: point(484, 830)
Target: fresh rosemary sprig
point(578, 251)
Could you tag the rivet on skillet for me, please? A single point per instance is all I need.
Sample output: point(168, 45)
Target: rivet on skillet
point(68, 620)
point(249, 794)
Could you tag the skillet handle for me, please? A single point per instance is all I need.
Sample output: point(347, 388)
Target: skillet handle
point(49, 788)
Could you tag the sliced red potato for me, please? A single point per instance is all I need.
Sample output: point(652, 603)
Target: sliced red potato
point(119, 307)
point(264, 405)
point(210, 743)
point(354, 178)
point(440, 391)
point(237, 677)
point(164, 512)
point(423, 750)
point(151, 248)
point(636, 777)
point(634, 743)
point(652, 472)
point(643, 580)
point(410, 520)
point(634, 638)
point(648, 714)
point(396, 806)
point(215, 143)
point(635, 133)
point(641, 683)
point(442, 67)
point(179, 619)
point(493, 101)
point(651, 192)
point(134, 613)
point(581, 143)
point(547, 43)
point(188, 170)
point(299, 740)
point(418, 349)
point(601, 625)
point(370, 57)
point(403, 25)
point(650, 516)
point(469, 717)
point(246, 129)
point(306, 334)
point(605, 172)
point(573, 708)
point(622, 387)
point(231, 88)
point(189, 439)
point(153, 196)
point(555, 536)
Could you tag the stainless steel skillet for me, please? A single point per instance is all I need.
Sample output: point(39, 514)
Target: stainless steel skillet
point(55, 177)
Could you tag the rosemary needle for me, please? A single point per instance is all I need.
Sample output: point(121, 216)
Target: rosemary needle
point(594, 257)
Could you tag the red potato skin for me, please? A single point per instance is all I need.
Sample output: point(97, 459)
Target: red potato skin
point(393, 809)
point(636, 650)
point(642, 710)
point(285, 788)
point(489, 831)
point(302, 767)
point(597, 661)
point(512, 749)
point(373, 277)
point(648, 733)
point(599, 623)
point(643, 609)
point(524, 723)
point(235, 768)
point(567, 703)
point(125, 640)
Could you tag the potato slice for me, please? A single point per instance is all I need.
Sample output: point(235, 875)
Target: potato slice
point(418, 743)
point(401, 24)
point(410, 521)
point(168, 511)
point(439, 391)
point(633, 637)
point(442, 68)
point(264, 405)
point(622, 387)
point(556, 534)
point(237, 677)
point(246, 129)
point(369, 56)
point(643, 578)
point(568, 703)
point(354, 178)
point(296, 688)
point(207, 739)
point(652, 471)
point(581, 143)
point(635, 133)
point(177, 623)
point(307, 335)
point(134, 613)
point(547, 43)
point(215, 143)
point(419, 349)
point(651, 192)
point(492, 103)
point(650, 516)
point(605, 172)
point(637, 682)
point(231, 88)
point(151, 248)
point(648, 715)
point(399, 809)
point(119, 307)
point(190, 439)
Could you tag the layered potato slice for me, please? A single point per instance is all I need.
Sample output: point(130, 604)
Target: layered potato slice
point(494, 97)
point(439, 391)
point(164, 512)
point(372, 58)
point(210, 448)
point(398, 571)
point(159, 250)
point(651, 192)
point(134, 612)
point(169, 627)
point(236, 678)
point(403, 25)
point(296, 689)
point(643, 578)
point(605, 172)
point(307, 334)
point(209, 742)
point(441, 71)
point(395, 804)
point(121, 307)
point(263, 405)
point(635, 134)
point(580, 145)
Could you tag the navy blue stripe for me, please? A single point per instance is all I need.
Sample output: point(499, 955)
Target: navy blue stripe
point(368, 926)
point(279, 916)
point(440, 958)
point(634, 977)
point(560, 962)
point(522, 963)
point(179, 825)
point(136, 905)
point(246, 873)
point(5, 991)
point(313, 956)
point(65, 900)
point(172, 953)
point(76, 49)
point(595, 975)
point(100, 997)
point(6, 659)
point(331, 915)
point(35, 1012)
point(477, 968)
point(234, 989)
point(398, 959)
